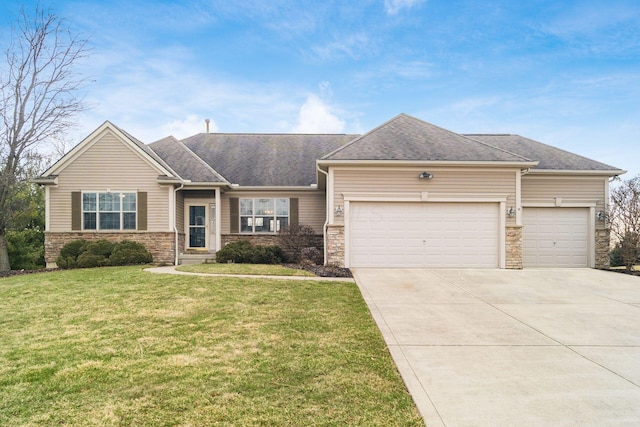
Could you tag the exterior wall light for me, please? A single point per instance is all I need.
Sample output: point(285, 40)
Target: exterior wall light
point(339, 211)
point(511, 212)
point(425, 175)
point(600, 215)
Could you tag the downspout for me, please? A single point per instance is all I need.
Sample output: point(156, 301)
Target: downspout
point(326, 221)
point(175, 227)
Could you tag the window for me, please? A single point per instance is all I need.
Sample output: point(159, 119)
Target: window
point(263, 215)
point(109, 211)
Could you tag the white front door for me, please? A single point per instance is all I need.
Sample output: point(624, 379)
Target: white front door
point(197, 233)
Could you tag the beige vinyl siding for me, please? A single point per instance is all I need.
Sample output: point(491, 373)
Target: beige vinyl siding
point(311, 206)
point(109, 164)
point(537, 189)
point(445, 182)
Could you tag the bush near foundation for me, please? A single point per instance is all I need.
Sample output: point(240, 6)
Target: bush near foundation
point(101, 253)
point(243, 252)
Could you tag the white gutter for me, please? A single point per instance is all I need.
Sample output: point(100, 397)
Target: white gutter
point(175, 227)
point(491, 164)
point(326, 221)
point(613, 172)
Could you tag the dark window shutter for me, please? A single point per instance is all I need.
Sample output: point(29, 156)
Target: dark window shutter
point(234, 212)
point(142, 210)
point(76, 210)
point(293, 212)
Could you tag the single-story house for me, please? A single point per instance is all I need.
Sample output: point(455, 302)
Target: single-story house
point(405, 194)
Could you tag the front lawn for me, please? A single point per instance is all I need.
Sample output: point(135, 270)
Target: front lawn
point(119, 346)
point(255, 269)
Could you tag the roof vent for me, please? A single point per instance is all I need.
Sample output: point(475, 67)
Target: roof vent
point(207, 121)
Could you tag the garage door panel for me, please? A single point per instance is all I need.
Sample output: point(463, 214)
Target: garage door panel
point(423, 234)
point(555, 237)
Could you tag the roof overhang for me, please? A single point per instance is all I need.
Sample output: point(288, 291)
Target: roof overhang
point(170, 180)
point(45, 180)
point(312, 187)
point(612, 172)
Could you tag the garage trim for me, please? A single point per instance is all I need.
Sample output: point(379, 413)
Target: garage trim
point(591, 227)
point(426, 197)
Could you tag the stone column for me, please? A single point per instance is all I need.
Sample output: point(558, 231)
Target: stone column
point(603, 246)
point(335, 245)
point(513, 247)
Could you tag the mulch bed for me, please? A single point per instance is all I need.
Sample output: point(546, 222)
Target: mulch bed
point(323, 270)
point(318, 270)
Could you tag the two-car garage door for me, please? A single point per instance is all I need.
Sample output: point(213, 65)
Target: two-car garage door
point(394, 234)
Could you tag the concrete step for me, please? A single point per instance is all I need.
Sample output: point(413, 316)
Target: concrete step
point(188, 259)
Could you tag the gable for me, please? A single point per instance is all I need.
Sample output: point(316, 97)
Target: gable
point(114, 145)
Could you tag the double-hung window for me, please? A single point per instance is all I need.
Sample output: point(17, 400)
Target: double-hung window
point(263, 215)
point(109, 211)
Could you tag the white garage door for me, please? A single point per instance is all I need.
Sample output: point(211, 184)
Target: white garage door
point(384, 234)
point(555, 237)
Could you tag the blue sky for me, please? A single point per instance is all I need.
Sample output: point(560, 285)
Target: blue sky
point(566, 73)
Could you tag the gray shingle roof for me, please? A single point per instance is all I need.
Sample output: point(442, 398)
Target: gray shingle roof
point(265, 159)
point(407, 138)
point(551, 158)
point(184, 162)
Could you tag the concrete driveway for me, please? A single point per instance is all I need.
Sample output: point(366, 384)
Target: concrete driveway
point(506, 348)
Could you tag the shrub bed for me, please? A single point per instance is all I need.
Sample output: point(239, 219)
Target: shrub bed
point(101, 253)
point(243, 252)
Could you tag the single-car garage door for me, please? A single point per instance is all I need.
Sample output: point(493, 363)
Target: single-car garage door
point(555, 237)
point(389, 234)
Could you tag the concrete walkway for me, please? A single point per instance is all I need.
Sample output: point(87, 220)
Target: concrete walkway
point(512, 348)
point(171, 269)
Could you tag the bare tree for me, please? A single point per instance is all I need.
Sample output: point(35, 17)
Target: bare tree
point(39, 99)
point(625, 219)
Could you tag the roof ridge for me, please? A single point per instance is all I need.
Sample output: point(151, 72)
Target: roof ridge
point(348, 144)
point(201, 160)
point(272, 133)
point(497, 148)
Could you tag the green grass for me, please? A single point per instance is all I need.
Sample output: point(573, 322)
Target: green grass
point(121, 347)
point(256, 269)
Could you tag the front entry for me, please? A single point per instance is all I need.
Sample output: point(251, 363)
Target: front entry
point(197, 227)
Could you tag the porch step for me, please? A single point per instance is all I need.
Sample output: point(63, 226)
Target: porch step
point(188, 259)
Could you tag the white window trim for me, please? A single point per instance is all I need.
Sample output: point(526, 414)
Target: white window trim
point(114, 230)
point(253, 215)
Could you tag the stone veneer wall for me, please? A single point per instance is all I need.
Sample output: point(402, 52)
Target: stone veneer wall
point(513, 247)
point(603, 246)
point(160, 244)
point(335, 245)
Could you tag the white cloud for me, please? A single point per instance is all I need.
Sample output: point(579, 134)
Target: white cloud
point(353, 46)
point(394, 6)
point(188, 126)
point(316, 116)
